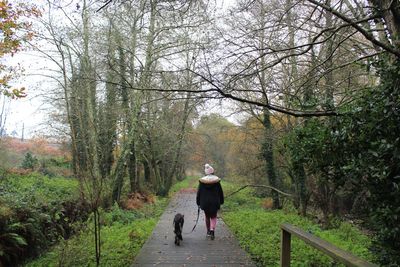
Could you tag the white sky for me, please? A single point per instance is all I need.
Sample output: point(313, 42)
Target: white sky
point(26, 112)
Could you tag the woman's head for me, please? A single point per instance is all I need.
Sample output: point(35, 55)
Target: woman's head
point(208, 169)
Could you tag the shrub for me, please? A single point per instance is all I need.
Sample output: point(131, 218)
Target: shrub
point(29, 161)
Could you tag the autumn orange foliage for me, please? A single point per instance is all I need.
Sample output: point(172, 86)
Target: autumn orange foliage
point(235, 148)
point(14, 31)
point(19, 171)
point(137, 200)
point(37, 146)
point(267, 203)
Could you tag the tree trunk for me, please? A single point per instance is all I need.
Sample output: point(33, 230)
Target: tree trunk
point(329, 82)
point(267, 146)
point(146, 170)
point(300, 181)
point(268, 156)
point(132, 168)
point(390, 12)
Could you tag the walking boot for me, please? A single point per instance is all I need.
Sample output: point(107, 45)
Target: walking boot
point(212, 235)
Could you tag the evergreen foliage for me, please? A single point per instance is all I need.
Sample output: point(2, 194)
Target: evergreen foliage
point(371, 143)
point(29, 162)
point(354, 158)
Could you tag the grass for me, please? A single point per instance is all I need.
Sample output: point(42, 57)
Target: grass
point(258, 231)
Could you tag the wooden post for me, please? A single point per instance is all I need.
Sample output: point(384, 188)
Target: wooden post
point(285, 249)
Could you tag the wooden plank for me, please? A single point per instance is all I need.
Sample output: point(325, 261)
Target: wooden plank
point(285, 249)
point(329, 249)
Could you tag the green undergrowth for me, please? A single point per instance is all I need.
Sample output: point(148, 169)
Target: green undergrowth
point(37, 189)
point(123, 233)
point(258, 231)
point(245, 198)
point(118, 248)
point(35, 212)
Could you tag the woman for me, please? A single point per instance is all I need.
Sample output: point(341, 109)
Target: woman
point(210, 197)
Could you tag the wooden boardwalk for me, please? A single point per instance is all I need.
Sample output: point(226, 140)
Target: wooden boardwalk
point(195, 250)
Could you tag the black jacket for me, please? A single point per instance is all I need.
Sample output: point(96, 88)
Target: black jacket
point(210, 196)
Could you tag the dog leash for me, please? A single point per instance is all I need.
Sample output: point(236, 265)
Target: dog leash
point(197, 220)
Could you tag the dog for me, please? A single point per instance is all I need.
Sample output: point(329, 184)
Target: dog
point(178, 226)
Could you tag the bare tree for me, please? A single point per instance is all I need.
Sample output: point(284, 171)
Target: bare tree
point(4, 112)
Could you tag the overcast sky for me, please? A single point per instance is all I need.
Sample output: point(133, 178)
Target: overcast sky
point(25, 112)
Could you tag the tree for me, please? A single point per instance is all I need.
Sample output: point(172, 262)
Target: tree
point(29, 162)
point(15, 31)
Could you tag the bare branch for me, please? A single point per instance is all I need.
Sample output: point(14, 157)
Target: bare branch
point(262, 186)
point(355, 25)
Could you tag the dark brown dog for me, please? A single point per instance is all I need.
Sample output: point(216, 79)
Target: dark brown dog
point(178, 226)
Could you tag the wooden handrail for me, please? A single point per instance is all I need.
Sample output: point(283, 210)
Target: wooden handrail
point(334, 252)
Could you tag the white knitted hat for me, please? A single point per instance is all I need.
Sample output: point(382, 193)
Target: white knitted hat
point(208, 169)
